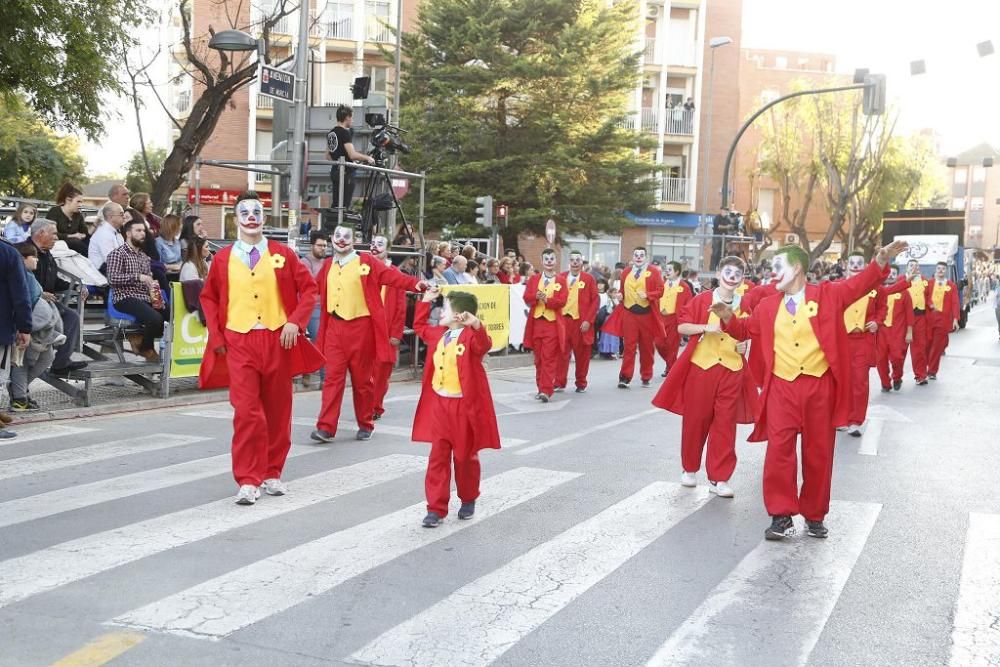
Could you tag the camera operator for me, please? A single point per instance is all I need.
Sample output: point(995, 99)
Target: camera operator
point(339, 145)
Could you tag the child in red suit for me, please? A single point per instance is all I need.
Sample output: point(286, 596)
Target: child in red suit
point(455, 412)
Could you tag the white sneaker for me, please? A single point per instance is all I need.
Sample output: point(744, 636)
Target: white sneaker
point(687, 479)
point(721, 489)
point(247, 495)
point(274, 487)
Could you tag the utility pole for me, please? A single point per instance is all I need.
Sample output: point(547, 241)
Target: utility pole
point(297, 176)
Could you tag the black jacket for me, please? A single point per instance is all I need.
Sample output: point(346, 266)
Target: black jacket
point(47, 273)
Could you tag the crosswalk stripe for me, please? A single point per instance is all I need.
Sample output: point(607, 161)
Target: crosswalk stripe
point(870, 438)
point(587, 431)
point(65, 458)
point(64, 563)
point(783, 592)
point(488, 616)
point(407, 432)
point(86, 495)
point(287, 579)
point(43, 432)
point(975, 637)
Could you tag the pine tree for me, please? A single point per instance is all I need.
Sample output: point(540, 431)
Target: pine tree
point(522, 100)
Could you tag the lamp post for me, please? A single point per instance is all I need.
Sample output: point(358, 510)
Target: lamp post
point(713, 43)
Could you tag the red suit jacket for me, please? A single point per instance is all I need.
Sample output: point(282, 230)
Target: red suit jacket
point(951, 309)
point(477, 400)
point(298, 296)
point(874, 312)
point(683, 298)
point(555, 302)
point(395, 312)
point(832, 299)
point(749, 301)
point(902, 311)
point(378, 274)
point(671, 394)
point(654, 290)
point(589, 301)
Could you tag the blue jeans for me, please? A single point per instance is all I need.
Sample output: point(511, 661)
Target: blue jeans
point(312, 330)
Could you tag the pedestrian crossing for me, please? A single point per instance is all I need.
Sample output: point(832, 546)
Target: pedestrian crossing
point(770, 605)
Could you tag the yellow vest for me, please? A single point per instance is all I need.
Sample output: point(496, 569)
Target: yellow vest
point(717, 348)
point(796, 349)
point(916, 290)
point(668, 302)
point(572, 307)
point(890, 303)
point(445, 379)
point(253, 295)
point(345, 295)
point(541, 309)
point(937, 295)
point(854, 316)
point(632, 287)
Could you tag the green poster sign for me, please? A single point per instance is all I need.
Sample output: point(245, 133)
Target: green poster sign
point(189, 337)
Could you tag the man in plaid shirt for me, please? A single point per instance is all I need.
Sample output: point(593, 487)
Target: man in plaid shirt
point(133, 287)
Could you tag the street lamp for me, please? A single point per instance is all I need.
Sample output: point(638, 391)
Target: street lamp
point(713, 43)
point(233, 40)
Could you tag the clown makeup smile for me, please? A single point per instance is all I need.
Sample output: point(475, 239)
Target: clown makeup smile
point(639, 257)
point(380, 246)
point(731, 276)
point(855, 264)
point(549, 262)
point(343, 240)
point(783, 272)
point(576, 262)
point(250, 216)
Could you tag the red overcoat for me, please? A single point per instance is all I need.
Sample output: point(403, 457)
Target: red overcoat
point(748, 302)
point(589, 301)
point(951, 308)
point(831, 299)
point(298, 296)
point(395, 312)
point(654, 290)
point(555, 302)
point(378, 274)
point(874, 312)
point(902, 315)
point(477, 400)
point(671, 394)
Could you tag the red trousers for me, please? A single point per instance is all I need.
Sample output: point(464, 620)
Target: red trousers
point(349, 347)
point(545, 345)
point(453, 442)
point(579, 350)
point(668, 345)
point(260, 391)
point(710, 398)
point(938, 330)
point(860, 348)
point(381, 373)
point(802, 406)
point(891, 352)
point(918, 348)
point(638, 330)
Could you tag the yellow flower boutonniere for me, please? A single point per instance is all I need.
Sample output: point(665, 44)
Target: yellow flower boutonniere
point(579, 284)
point(557, 287)
point(811, 308)
point(365, 269)
point(679, 289)
point(947, 288)
point(646, 274)
point(460, 349)
point(278, 261)
point(872, 294)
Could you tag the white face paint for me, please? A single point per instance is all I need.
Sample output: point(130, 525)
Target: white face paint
point(549, 261)
point(855, 265)
point(893, 274)
point(343, 240)
point(912, 268)
point(784, 272)
point(250, 217)
point(730, 276)
point(940, 272)
point(447, 316)
point(380, 246)
point(576, 262)
point(639, 257)
point(670, 273)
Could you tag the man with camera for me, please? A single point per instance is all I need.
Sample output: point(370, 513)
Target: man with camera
point(339, 145)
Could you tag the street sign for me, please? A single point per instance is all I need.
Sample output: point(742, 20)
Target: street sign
point(276, 83)
point(550, 231)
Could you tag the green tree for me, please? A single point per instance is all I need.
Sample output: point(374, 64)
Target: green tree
point(523, 100)
point(34, 160)
point(139, 178)
point(63, 56)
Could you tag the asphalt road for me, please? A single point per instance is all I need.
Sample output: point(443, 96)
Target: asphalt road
point(119, 541)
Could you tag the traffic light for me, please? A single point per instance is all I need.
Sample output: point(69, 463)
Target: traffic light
point(502, 215)
point(873, 100)
point(484, 211)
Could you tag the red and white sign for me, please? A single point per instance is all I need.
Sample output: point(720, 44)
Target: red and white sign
point(550, 231)
point(217, 197)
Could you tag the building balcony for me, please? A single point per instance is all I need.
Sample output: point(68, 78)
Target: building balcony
point(680, 121)
point(339, 29)
point(649, 120)
point(264, 102)
point(674, 190)
point(649, 55)
point(682, 53)
point(379, 32)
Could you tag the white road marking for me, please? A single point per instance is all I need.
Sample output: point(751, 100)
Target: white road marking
point(407, 432)
point(71, 561)
point(587, 431)
point(870, 438)
point(884, 412)
point(488, 616)
point(782, 591)
point(218, 607)
point(65, 458)
point(86, 495)
point(42, 432)
point(975, 636)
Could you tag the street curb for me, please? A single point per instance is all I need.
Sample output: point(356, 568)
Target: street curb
point(220, 395)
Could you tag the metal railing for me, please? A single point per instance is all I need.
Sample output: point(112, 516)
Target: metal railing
point(379, 31)
point(674, 190)
point(649, 120)
point(649, 54)
point(264, 102)
point(339, 29)
point(680, 121)
point(283, 26)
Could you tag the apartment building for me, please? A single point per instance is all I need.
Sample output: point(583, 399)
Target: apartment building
point(346, 38)
point(975, 189)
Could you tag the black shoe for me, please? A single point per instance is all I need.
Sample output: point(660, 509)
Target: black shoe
point(467, 510)
point(647, 383)
point(897, 384)
point(664, 373)
point(558, 389)
point(816, 529)
point(71, 366)
point(319, 435)
point(932, 376)
point(780, 528)
point(921, 383)
point(581, 390)
point(886, 390)
point(544, 398)
point(623, 384)
point(432, 520)
point(60, 372)
point(376, 416)
point(23, 405)
point(7, 435)
point(364, 434)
